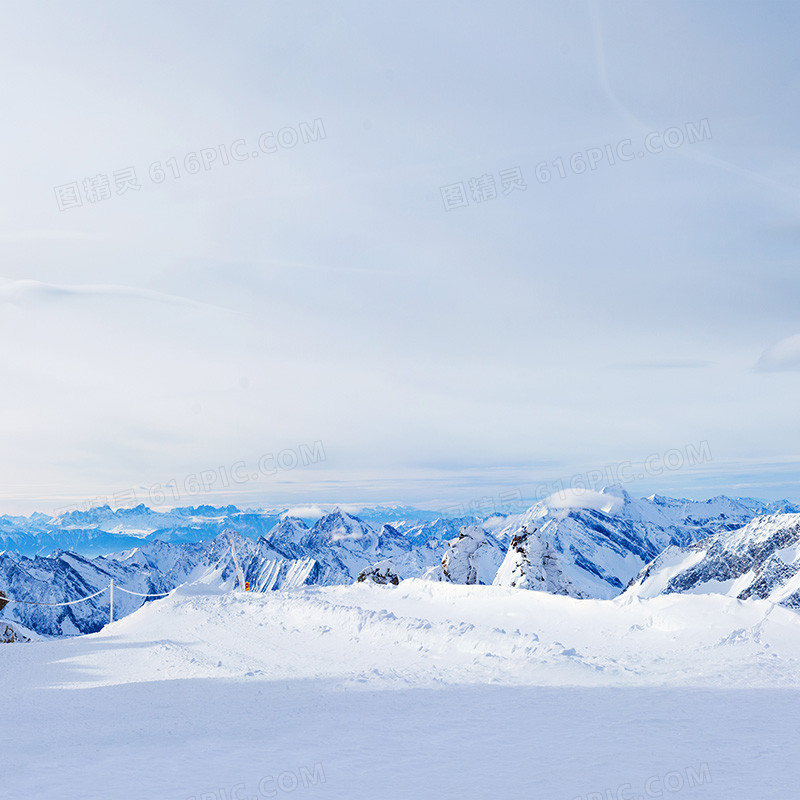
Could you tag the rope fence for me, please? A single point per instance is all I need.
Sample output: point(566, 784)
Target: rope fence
point(111, 586)
point(5, 599)
point(110, 589)
point(139, 594)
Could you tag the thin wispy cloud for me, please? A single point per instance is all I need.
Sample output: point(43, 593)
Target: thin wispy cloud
point(28, 289)
point(783, 356)
point(22, 236)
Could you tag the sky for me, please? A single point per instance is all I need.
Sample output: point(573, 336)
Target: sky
point(418, 253)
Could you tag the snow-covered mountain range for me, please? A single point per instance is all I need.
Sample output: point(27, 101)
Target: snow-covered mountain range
point(334, 550)
point(591, 544)
point(760, 560)
point(102, 530)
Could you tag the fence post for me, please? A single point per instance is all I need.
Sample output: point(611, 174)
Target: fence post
point(111, 601)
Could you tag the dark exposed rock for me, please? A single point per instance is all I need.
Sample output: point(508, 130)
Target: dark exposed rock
point(8, 634)
point(382, 573)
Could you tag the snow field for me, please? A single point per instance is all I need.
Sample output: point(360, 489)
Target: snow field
point(425, 690)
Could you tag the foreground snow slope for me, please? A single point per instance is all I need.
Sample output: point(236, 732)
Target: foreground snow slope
point(426, 690)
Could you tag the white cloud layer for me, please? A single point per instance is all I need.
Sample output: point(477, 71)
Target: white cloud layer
point(585, 498)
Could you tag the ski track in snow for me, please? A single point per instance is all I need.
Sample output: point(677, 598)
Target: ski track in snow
point(426, 690)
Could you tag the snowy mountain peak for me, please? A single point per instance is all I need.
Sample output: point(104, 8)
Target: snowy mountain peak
point(289, 529)
point(340, 525)
point(760, 559)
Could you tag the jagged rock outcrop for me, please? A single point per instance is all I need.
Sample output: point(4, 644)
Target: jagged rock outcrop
point(531, 563)
point(9, 633)
point(382, 573)
point(459, 563)
point(472, 557)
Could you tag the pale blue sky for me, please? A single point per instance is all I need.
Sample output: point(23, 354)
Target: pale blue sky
point(322, 292)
